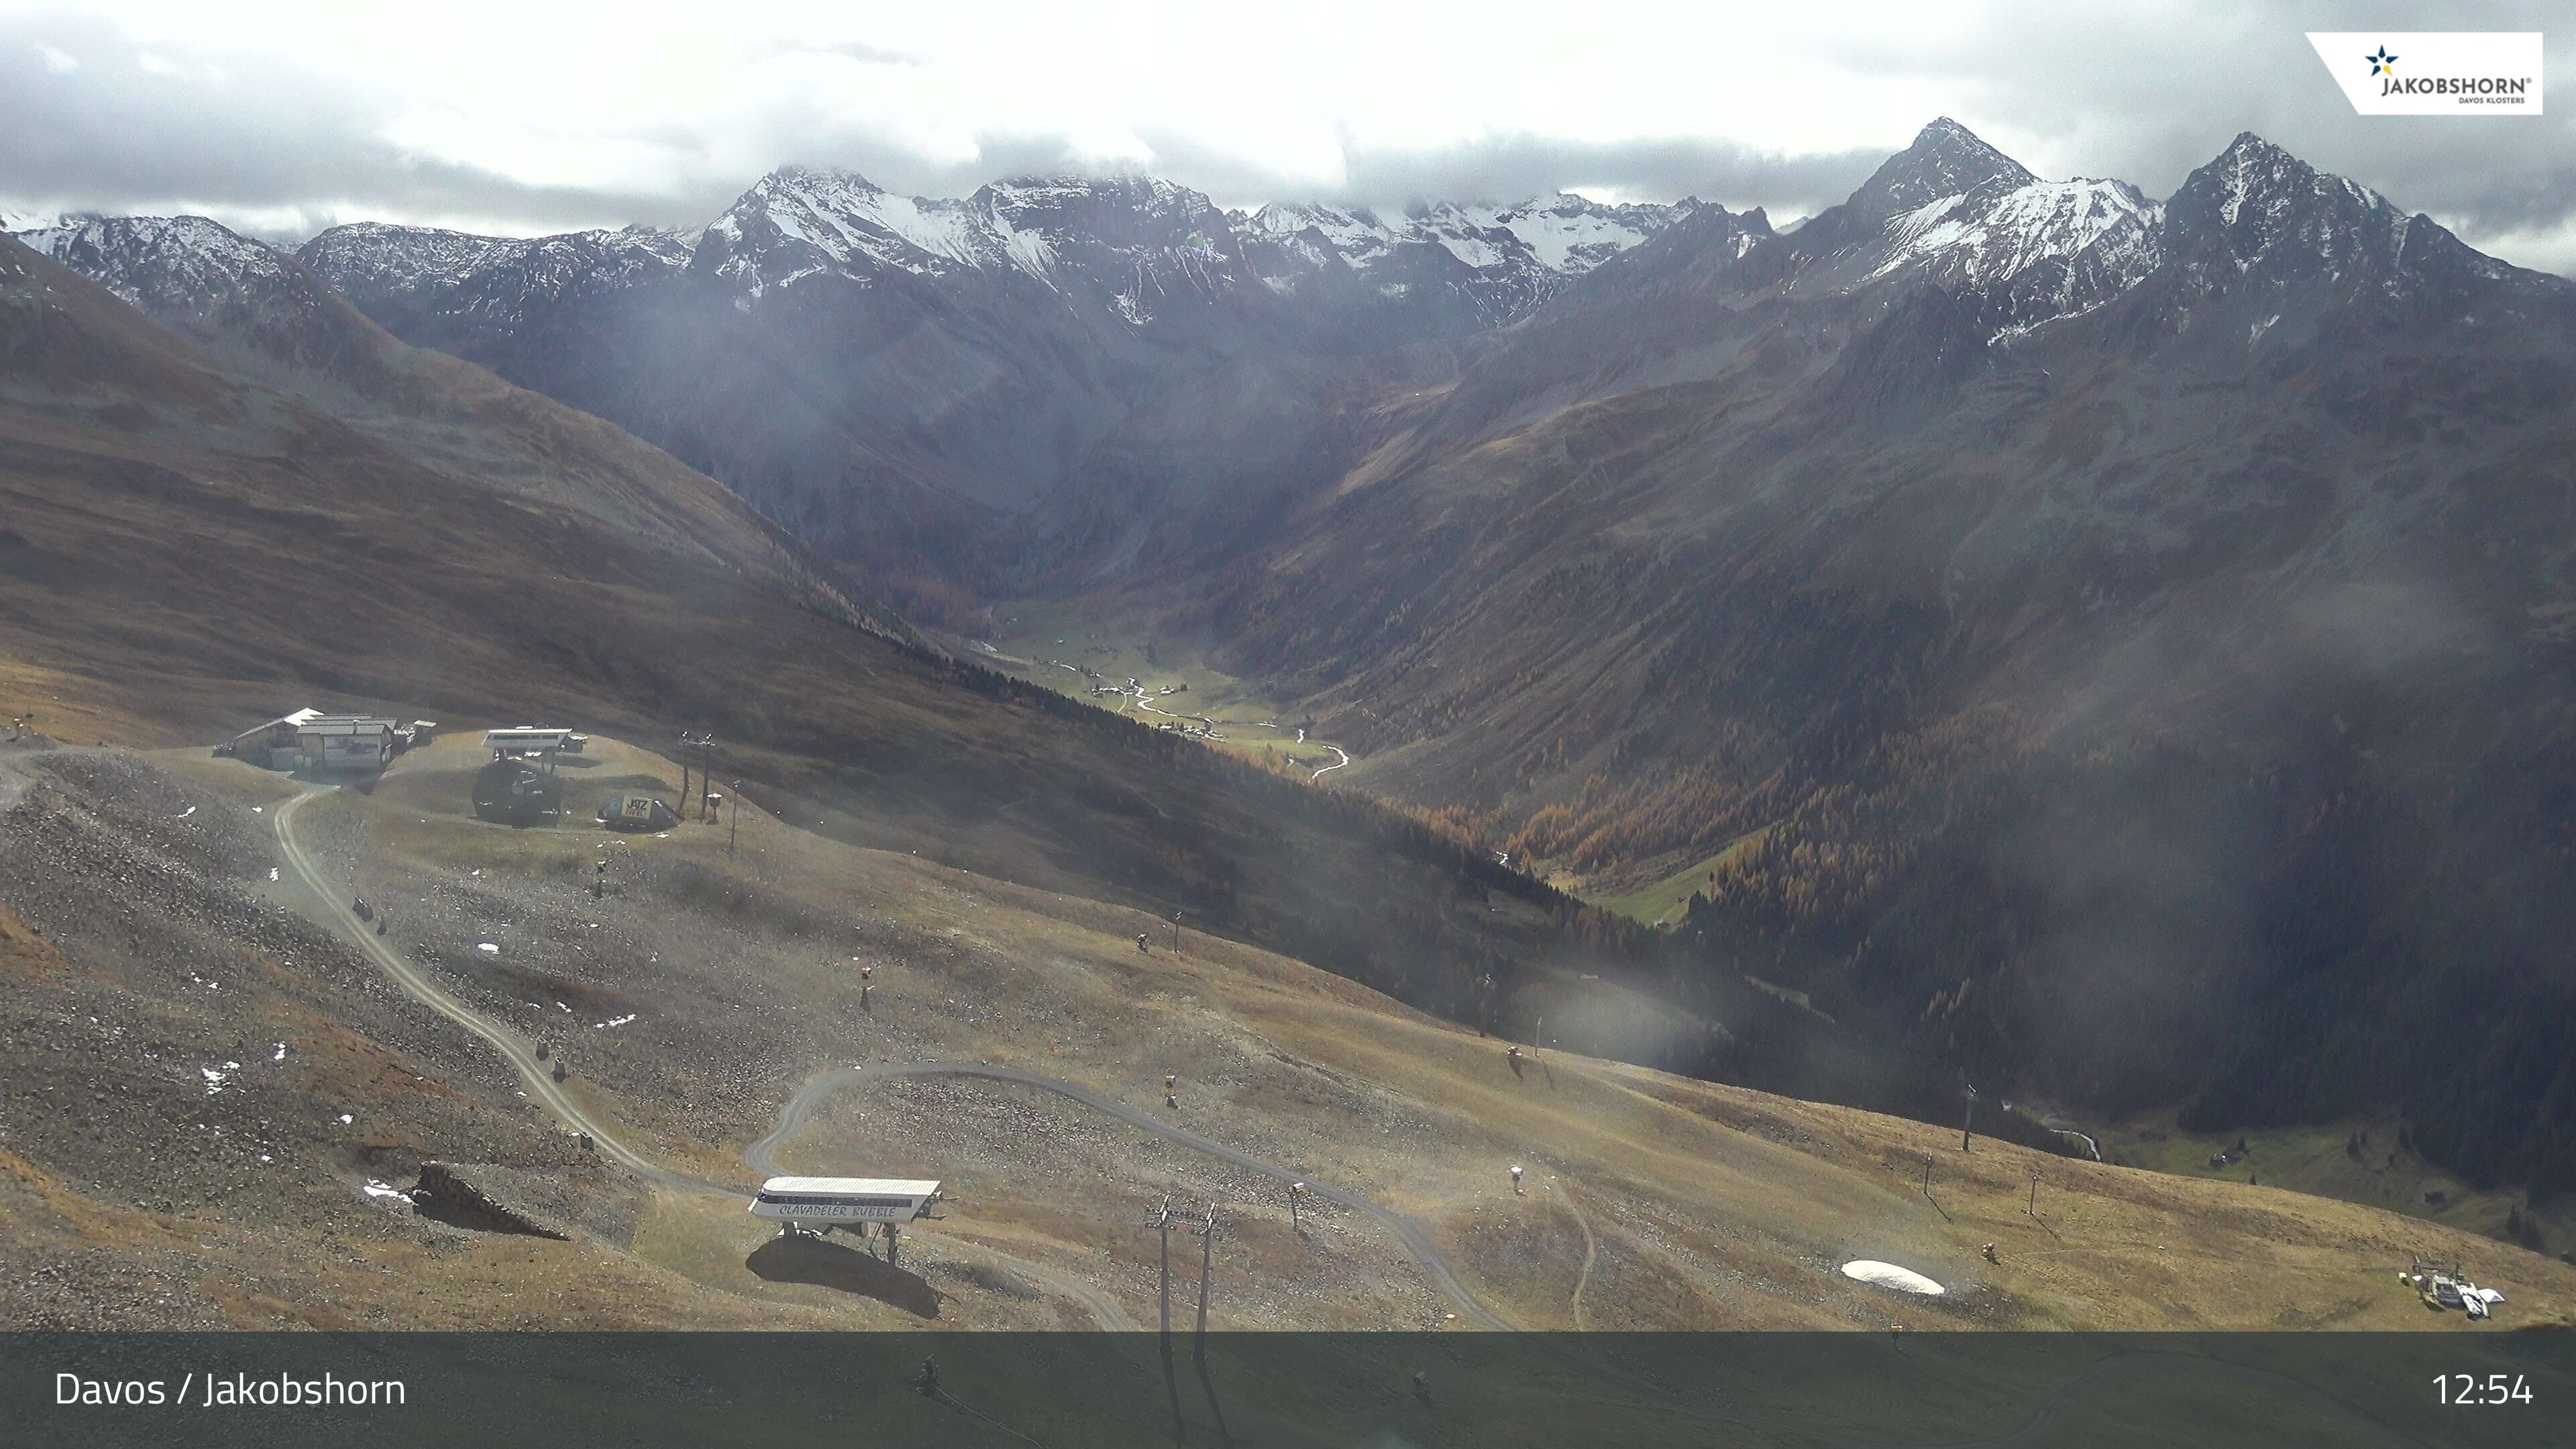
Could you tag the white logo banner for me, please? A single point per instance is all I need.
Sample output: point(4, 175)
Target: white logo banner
point(2437, 73)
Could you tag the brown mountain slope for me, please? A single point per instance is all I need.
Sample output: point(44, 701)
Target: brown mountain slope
point(263, 316)
point(2153, 699)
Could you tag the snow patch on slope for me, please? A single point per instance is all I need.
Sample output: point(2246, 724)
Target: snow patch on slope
point(1990, 238)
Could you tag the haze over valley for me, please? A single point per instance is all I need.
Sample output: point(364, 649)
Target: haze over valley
point(1794, 740)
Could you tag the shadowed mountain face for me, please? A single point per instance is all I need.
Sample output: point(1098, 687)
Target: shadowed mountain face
point(2126, 640)
point(2118, 646)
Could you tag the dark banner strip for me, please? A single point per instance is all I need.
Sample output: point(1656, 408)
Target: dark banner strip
point(1236, 1391)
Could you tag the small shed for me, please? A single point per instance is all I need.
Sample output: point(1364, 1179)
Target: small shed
point(346, 742)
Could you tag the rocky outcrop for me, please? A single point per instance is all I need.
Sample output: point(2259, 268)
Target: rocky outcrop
point(484, 1198)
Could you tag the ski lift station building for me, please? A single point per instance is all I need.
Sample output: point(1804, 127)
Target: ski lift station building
point(273, 746)
point(308, 739)
point(346, 742)
point(820, 1202)
point(528, 740)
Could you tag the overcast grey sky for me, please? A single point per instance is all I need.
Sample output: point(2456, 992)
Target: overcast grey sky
point(284, 118)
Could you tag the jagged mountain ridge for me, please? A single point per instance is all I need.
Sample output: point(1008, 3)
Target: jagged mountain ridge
point(962, 391)
point(1137, 242)
point(1019, 383)
point(425, 276)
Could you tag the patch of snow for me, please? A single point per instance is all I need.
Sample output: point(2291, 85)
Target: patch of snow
point(1890, 1276)
point(487, 948)
point(216, 1077)
point(281, 1053)
point(382, 1190)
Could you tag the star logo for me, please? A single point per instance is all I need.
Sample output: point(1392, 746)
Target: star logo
point(2383, 63)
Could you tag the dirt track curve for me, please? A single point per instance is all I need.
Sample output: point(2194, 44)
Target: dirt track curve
point(513, 1047)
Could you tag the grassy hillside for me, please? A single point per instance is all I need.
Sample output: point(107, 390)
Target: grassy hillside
point(714, 974)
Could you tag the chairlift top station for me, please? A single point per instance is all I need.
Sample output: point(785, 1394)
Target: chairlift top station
point(527, 740)
point(821, 1201)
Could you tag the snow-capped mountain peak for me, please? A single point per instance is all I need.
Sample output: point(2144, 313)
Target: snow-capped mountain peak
point(2254, 175)
point(1338, 224)
point(1491, 263)
point(799, 221)
point(173, 261)
point(2257, 213)
point(1945, 159)
point(452, 288)
point(1565, 234)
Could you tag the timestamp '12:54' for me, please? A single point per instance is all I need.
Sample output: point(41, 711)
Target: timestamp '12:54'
point(2493, 1389)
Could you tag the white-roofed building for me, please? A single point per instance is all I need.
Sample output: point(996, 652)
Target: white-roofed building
point(274, 745)
point(527, 740)
point(811, 1204)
